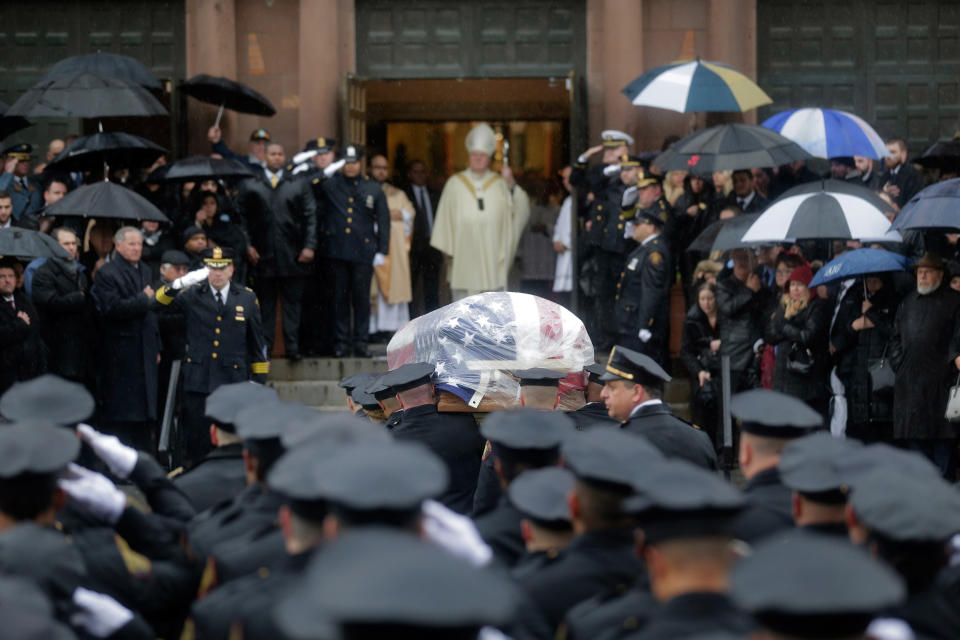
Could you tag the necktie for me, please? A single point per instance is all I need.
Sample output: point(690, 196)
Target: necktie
point(274, 179)
point(219, 302)
point(12, 306)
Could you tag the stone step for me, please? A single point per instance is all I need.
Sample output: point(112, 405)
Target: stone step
point(324, 369)
point(313, 393)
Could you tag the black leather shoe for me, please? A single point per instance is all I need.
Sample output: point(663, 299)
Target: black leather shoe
point(294, 356)
point(361, 352)
point(340, 352)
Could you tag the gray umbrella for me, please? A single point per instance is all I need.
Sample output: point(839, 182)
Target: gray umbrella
point(24, 243)
point(85, 95)
point(106, 200)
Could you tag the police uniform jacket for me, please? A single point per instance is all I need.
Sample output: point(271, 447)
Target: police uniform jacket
point(222, 346)
point(594, 562)
point(672, 436)
point(768, 507)
point(592, 414)
point(130, 341)
point(611, 614)
point(252, 508)
point(643, 293)
point(281, 222)
point(500, 529)
point(219, 476)
point(691, 615)
point(488, 490)
point(455, 438)
point(26, 200)
point(606, 229)
point(356, 219)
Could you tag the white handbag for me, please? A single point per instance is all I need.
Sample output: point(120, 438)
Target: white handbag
point(953, 403)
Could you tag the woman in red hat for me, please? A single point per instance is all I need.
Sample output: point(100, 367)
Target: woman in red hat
point(799, 332)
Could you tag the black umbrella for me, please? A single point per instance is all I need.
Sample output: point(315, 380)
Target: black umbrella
point(85, 95)
point(11, 124)
point(197, 168)
point(730, 147)
point(106, 200)
point(108, 65)
point(114, 149)
point(24, 243)
point(724, 235)
point(228, 94)
point(943, 155)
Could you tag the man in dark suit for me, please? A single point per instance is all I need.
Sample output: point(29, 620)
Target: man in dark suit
point(281, 219)
point(902, 180)
point(425, 261)
point(633, 392)
point(744, 194)
point(224, 341)
point(22, 352)
point(129, 353)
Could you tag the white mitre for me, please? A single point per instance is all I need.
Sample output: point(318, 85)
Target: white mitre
point(482, 138)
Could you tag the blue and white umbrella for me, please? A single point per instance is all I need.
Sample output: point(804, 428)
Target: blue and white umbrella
point(826, 133)
point(696, 85)
point(860, 262)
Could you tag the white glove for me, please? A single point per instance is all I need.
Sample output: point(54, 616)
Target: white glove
point(890, 629)
point(303, 156)
point(628, 229)
point(379, 259)
point(119, 457)
point(455, 533)
point(611, 170)
point(758, 345)
point(300, 168)
point(333, 167)
point(630, 197)
point(94, 493)
point(582, 158)
point(192, 278)
point(99, 614)
point(645, 335)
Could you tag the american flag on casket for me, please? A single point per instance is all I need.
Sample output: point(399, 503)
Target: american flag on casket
point(475, 344)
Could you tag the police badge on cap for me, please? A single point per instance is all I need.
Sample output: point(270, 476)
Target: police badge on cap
point(353, 153)
point(218, 258)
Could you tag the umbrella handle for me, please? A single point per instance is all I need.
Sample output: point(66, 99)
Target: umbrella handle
point(219, 115)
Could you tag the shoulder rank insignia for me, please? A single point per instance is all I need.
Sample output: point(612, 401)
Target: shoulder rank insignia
point(656, 258)
point(316, 180)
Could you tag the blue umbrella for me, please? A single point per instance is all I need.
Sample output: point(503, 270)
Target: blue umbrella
point(936, 207)
point(860, 262)
point(826, 133)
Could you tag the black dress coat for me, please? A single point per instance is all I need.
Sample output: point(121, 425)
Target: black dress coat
point(808, 329)
point(500, 529)
point(356, 224)
point(219, 476)
point(23, 355)
point(421, 253)
point(691, 614)
point(672, 436)
point(455, 438)
point(739, 311)
point(695, 344)
point(130, 341)
point(769, 507)
point(592, 414)
point(66, 319)
point(863, 405)
point(923, 348)
point(281, 223)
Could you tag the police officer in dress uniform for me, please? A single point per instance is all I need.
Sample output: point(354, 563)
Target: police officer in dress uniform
point(386, 398)
point(643, 293)
point(355, 240)
point(601, 556)
point(24, 190)
point(633, 392)
point(768, 421)
point(225, 342)
point(521, 439)
point(452, 436)
point(316, 326)
point(220, 475)
point(594, 412)
point(811, 467)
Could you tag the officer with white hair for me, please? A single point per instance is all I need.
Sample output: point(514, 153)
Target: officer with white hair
point(479, 220)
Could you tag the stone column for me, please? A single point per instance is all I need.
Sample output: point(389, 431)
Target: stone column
point(211, 31)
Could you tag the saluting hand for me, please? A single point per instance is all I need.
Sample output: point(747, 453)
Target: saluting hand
point(306, 256)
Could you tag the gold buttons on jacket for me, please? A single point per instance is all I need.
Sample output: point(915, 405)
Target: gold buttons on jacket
point(216, 343)
point(349, 209)
point(350, 199)
point(213, 355)
point(219, 318)
point(349, 220)
point(217, 330)
point(620, 226)
point(347, 230)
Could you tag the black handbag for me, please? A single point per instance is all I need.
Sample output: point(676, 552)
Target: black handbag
point(799, 360)
point(882, 377)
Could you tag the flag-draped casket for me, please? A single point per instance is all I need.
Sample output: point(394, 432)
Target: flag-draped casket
point(478, 342)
